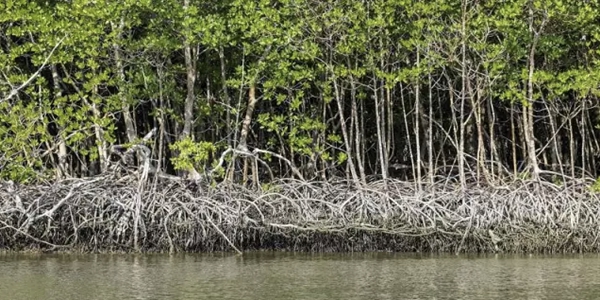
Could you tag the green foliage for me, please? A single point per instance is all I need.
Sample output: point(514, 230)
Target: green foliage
point(595, 187)
point(21, 133)
point(525, 175)
point(128, 55)
point(192, 155)
point(270, 188)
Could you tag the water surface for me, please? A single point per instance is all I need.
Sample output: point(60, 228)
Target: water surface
point(298, 276)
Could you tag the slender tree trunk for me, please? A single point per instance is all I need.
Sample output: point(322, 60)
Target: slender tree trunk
point(252, 100)
point(463, 96)
point(583, 139)
point(380, 135)
point(225, 96)
point(455, 125)
point(161, 120)
point(429, 132)
point(363, 141)
point(338, 100)
point(477, 108)
point(594, 146)
point(571, 147)
point(357, 130)
point(390, 123)
point(99, 132)
point(324, 163)
point(243, 143)
point(528, 109)
point(417, 124)
point(125, 107)
point(513, 140)
point(559, 138)
point(407, 130)
point(190, 66)
point(380, 109)
point(190, 57)
point(62, 169)
point(492, 133)
point(555, 154)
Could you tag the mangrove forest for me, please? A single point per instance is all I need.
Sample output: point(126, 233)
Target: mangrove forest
point(301, 125)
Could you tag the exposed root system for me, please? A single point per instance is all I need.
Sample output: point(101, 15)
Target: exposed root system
point(127, 214)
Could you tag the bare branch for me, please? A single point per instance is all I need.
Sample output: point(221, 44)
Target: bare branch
point(15, 91)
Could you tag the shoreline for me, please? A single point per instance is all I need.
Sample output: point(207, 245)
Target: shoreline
point(105, 214)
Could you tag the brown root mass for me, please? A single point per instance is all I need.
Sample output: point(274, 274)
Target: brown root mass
point(125, 214)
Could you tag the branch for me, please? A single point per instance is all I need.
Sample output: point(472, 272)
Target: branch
point(243, 151)
point(15, 91)
point(294, 169)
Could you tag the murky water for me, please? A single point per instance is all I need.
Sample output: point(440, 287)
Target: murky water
point(298, 276)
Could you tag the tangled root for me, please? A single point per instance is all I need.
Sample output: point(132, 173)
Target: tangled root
point(127, 214)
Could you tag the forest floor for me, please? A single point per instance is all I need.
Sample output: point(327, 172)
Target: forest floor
point(126, 214)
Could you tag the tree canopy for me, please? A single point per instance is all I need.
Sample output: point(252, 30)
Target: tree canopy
point(470, 90)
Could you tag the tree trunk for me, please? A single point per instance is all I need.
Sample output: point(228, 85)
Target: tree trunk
point(463, 96)
point(62, 169)
point(190, 66)
point(125, 107)
point(226, 96)
point(407, 130)
point(338, 100)
point(380, 134)
point(528, 119)
point(513, 140)
point(429, 132)
point(357, 130)
point(418, 125)
point(243, 143)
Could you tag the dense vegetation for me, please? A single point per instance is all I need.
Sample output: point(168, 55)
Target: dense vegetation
point(375, 124)
point(397, 88)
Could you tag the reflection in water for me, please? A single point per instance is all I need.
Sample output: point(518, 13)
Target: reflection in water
point(298, 276)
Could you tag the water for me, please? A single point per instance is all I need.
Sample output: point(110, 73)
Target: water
point(298, 276)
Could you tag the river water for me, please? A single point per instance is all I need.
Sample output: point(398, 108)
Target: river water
point(298, 276)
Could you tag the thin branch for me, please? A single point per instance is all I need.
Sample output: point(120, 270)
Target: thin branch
point(15, 91)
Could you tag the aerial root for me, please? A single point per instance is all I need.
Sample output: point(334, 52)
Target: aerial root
point(98, 214)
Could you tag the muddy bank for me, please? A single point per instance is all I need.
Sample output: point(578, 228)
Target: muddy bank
point(105, 214)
